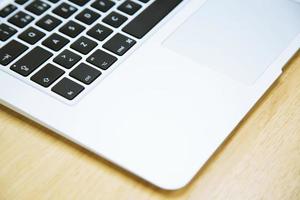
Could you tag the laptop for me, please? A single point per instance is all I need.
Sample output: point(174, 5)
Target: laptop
point(154, 86)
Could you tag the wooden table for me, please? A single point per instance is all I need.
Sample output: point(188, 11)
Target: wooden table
point(260, 160)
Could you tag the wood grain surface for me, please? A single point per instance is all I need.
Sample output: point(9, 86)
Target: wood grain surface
point(260, 159)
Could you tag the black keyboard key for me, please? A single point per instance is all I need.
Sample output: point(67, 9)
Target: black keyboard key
point(37, 7)
point(84, 45)
point(99, 32)
point(31, 35)
point(101, 59)
point(53, 1)
point(67, 88)
point(55, 42)
point(87, 16)
point(119, 44)
point(4, 12)
point(21, 19)
point(129, 7)
point(67, 59)
point(115, 19)
point(32, 60)
point(48, 22)
point(103, 5)
point(65, 10)
point(6, 32)
point(21, 2)
point(151, 16)
point(85, 73)
point(47, 75)
point(11, 51)
point(80, 2)
point(144, 1)
point(72, 29)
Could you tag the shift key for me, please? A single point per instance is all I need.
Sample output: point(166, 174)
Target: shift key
point(32, 60)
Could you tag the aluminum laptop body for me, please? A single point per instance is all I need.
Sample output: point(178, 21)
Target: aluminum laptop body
point(164, 107)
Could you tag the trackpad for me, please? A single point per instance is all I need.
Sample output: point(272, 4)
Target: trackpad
point(238, 38)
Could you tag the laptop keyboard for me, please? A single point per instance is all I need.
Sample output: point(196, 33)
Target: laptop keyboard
point(64, 46)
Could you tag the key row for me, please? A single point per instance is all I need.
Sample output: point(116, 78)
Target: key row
point(104, 2)
point(48, 22)
point(65, 10)
point(138, 27)
point(99, 58)
point(26, 65)
point(87, 16)
point(66, 58)
point(48, 74)
point(118, 44)
point(71, 28)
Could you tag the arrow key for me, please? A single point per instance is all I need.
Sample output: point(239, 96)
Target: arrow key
point(47, 75)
